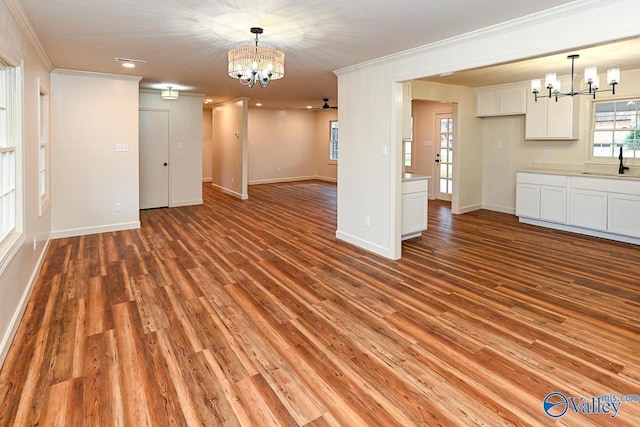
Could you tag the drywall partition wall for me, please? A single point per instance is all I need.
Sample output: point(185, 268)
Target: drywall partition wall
point(95, 152)
point(364, 131)
point(207, 145)
point(326, 169)
point(230, 151)
point(281, 145)
point(185, 144)
point(18, 45)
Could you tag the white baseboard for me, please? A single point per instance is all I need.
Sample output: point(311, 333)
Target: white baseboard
point(185, 203)
point(293, 179)
point(470, 208)
point(74, 232)
point(207, 179)
point(364, 244)
point(503, 209)
point(231, 192)
point(5, 344)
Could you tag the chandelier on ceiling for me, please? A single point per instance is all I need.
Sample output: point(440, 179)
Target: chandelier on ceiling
point(590, 78)
point(251, 64)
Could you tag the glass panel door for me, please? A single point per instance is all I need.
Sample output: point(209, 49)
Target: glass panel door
point(444, 157)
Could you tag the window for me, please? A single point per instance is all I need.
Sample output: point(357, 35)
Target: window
point(407, 149)
point(43, 148)
point(333, 140)
point(11, 236)
point(616, 124)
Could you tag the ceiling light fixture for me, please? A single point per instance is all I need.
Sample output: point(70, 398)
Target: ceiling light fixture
point(251, 64)
point(590, 77)
point(169, 93)
point(130, 63)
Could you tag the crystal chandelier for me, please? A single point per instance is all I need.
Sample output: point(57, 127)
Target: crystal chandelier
point(590, 78)
point(251, 64)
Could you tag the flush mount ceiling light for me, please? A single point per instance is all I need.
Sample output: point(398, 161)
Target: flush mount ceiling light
point(169, 93)
point(590, 78)
point(130, 63)
point(251, 64)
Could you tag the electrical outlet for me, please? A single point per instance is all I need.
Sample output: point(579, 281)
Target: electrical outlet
point(35, 243)
point(499, 145)
point(367, 221)
point(545, 152)
point(118, 207)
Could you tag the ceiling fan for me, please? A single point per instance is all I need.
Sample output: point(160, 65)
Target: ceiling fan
point(326, 105)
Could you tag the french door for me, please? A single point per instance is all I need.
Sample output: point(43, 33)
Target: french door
point(444, 157)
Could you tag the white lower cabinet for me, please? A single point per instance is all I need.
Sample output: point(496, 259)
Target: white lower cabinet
point(414, 208)
point(588, 209)
point(600, 206)
point(624, 214)
point(553, 203)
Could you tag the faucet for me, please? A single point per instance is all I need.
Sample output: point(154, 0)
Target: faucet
point(621, 168)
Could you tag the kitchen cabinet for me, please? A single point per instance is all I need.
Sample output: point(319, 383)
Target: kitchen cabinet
point(540, 196)
point(407, 128)
point(501, 100)
point(601, 206)
point(548, 119)
point(588, 209)
point(623, 214)
point(414, 206)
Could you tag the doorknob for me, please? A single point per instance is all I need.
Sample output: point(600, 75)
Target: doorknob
point(165, 164)
point(438, 158)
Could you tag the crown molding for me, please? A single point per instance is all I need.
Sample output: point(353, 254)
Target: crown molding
point(506, 27)
point(25, 25)
point(66, 72)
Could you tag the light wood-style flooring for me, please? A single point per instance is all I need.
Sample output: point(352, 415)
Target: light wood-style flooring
point(252, 313)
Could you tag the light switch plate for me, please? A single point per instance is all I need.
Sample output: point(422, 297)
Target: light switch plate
point(122, 147)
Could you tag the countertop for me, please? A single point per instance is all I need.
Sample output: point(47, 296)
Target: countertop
point(414, 177)
point(583, 173)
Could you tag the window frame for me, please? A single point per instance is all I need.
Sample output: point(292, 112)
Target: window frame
point(11, 83)
point(333, 144)
point(44, 138)
point(592, 138)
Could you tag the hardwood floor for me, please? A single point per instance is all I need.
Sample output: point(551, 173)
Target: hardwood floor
point(252, 313)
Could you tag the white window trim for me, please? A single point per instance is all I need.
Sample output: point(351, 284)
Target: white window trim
point(597, 160)
point(332, 161)
point(44, 144)
point(10, 245)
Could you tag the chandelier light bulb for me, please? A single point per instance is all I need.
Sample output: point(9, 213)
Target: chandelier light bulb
point(590, 74)
point(613, 76)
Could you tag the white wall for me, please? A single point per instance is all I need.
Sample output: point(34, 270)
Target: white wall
point(326, 169)
point(185, 144)
point(281, 145)
point(369, 182)
point(90, 114)
point(17, 279)
point(230, 152)
point(207, 146)
point(289, 145)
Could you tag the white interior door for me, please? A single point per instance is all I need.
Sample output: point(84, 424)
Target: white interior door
point(154, 159)
point(444, 157)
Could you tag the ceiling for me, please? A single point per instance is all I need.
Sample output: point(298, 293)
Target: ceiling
point(185, 42)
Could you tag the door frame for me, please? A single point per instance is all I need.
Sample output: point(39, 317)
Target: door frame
point(169, 151)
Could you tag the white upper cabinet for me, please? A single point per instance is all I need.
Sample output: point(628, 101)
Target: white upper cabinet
point(548, 119)
point(501, 100)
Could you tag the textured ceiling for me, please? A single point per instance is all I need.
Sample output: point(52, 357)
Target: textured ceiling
point(185, 42)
